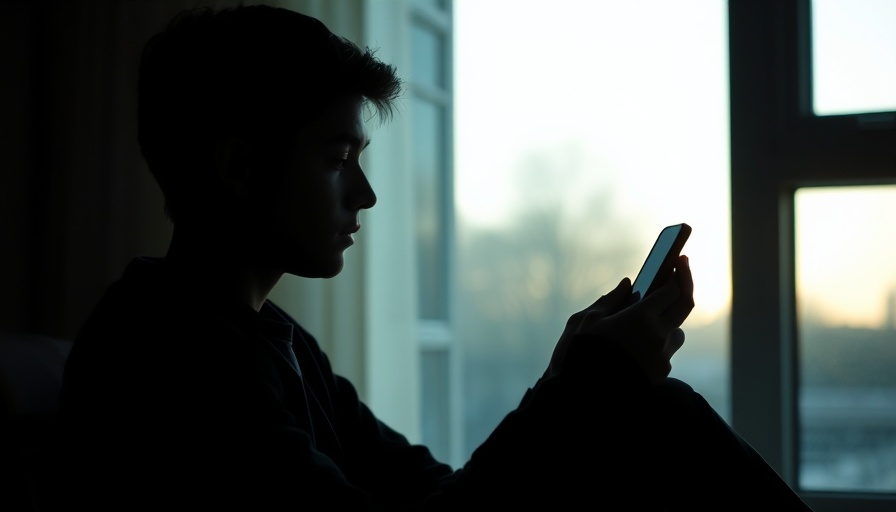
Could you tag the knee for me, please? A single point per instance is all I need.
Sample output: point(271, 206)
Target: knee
point(675, 387)
point(679, 395)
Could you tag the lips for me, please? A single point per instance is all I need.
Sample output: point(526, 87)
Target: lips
point(352, 230)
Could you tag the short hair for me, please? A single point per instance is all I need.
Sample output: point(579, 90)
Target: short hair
point(255, 72)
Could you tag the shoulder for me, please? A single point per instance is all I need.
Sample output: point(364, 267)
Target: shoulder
point(148, 316)
point(275, 311)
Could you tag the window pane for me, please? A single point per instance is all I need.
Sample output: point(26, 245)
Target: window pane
point(429, 161)
point(581, 131)
point(427, 52)
point(854, 56)
point(438, 5)
point(436, 407)
point(846, 293)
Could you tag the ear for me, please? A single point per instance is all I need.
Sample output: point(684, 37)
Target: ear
point(232, 165)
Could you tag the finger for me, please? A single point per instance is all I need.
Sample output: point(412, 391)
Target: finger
point(606, 305)
point(684, 277)
point(676, 314)
point(614, 299)
point(603, 307)
point(618, 297)
point(662, 298)
point(674, 342)
point(673, 302)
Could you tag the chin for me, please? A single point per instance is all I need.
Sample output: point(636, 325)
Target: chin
point(320, 270)
point(334, 273)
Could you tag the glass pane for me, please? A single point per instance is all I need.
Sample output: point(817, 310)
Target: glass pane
point(438, 5)
point(573, 150)
point(436, 407)
point(853, 56)
point(429, 151)
point(428, 56)
point(846, 296)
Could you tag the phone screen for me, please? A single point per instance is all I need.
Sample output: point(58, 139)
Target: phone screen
point(659, 261)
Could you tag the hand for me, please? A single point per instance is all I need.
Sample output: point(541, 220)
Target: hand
point(648, 329)
point(606, 305)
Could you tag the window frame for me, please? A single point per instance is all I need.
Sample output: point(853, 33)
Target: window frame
point(436, 337)
point(777, 146)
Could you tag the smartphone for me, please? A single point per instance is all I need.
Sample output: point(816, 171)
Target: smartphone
point(661, 259)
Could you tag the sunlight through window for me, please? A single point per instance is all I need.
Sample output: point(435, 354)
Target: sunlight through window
point(582, 129)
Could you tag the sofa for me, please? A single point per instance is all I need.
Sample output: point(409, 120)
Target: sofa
point(31, 367)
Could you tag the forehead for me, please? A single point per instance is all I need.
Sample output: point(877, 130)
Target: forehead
point(339, 124)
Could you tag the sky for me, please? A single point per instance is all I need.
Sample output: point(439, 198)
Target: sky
point(631, 97)
point(637, 102)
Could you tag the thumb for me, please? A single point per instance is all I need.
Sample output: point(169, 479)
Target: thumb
point(618, 297)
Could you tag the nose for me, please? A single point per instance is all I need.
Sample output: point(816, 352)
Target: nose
point(363, 197)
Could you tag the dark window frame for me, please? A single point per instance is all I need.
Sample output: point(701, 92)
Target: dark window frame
point(777, 146)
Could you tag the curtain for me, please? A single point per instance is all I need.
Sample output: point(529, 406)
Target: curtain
point(78, 201)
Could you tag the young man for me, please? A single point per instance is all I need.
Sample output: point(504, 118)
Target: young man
point(188, 388)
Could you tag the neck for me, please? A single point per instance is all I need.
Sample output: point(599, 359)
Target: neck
point(220, 264)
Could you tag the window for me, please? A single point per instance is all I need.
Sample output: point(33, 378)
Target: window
point(846, 311)
point(582, 129)
point(853, 48)
point(431, 109)
point(802, 150)
point(542, 231)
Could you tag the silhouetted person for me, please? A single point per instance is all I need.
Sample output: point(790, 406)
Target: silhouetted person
point(187, 387)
